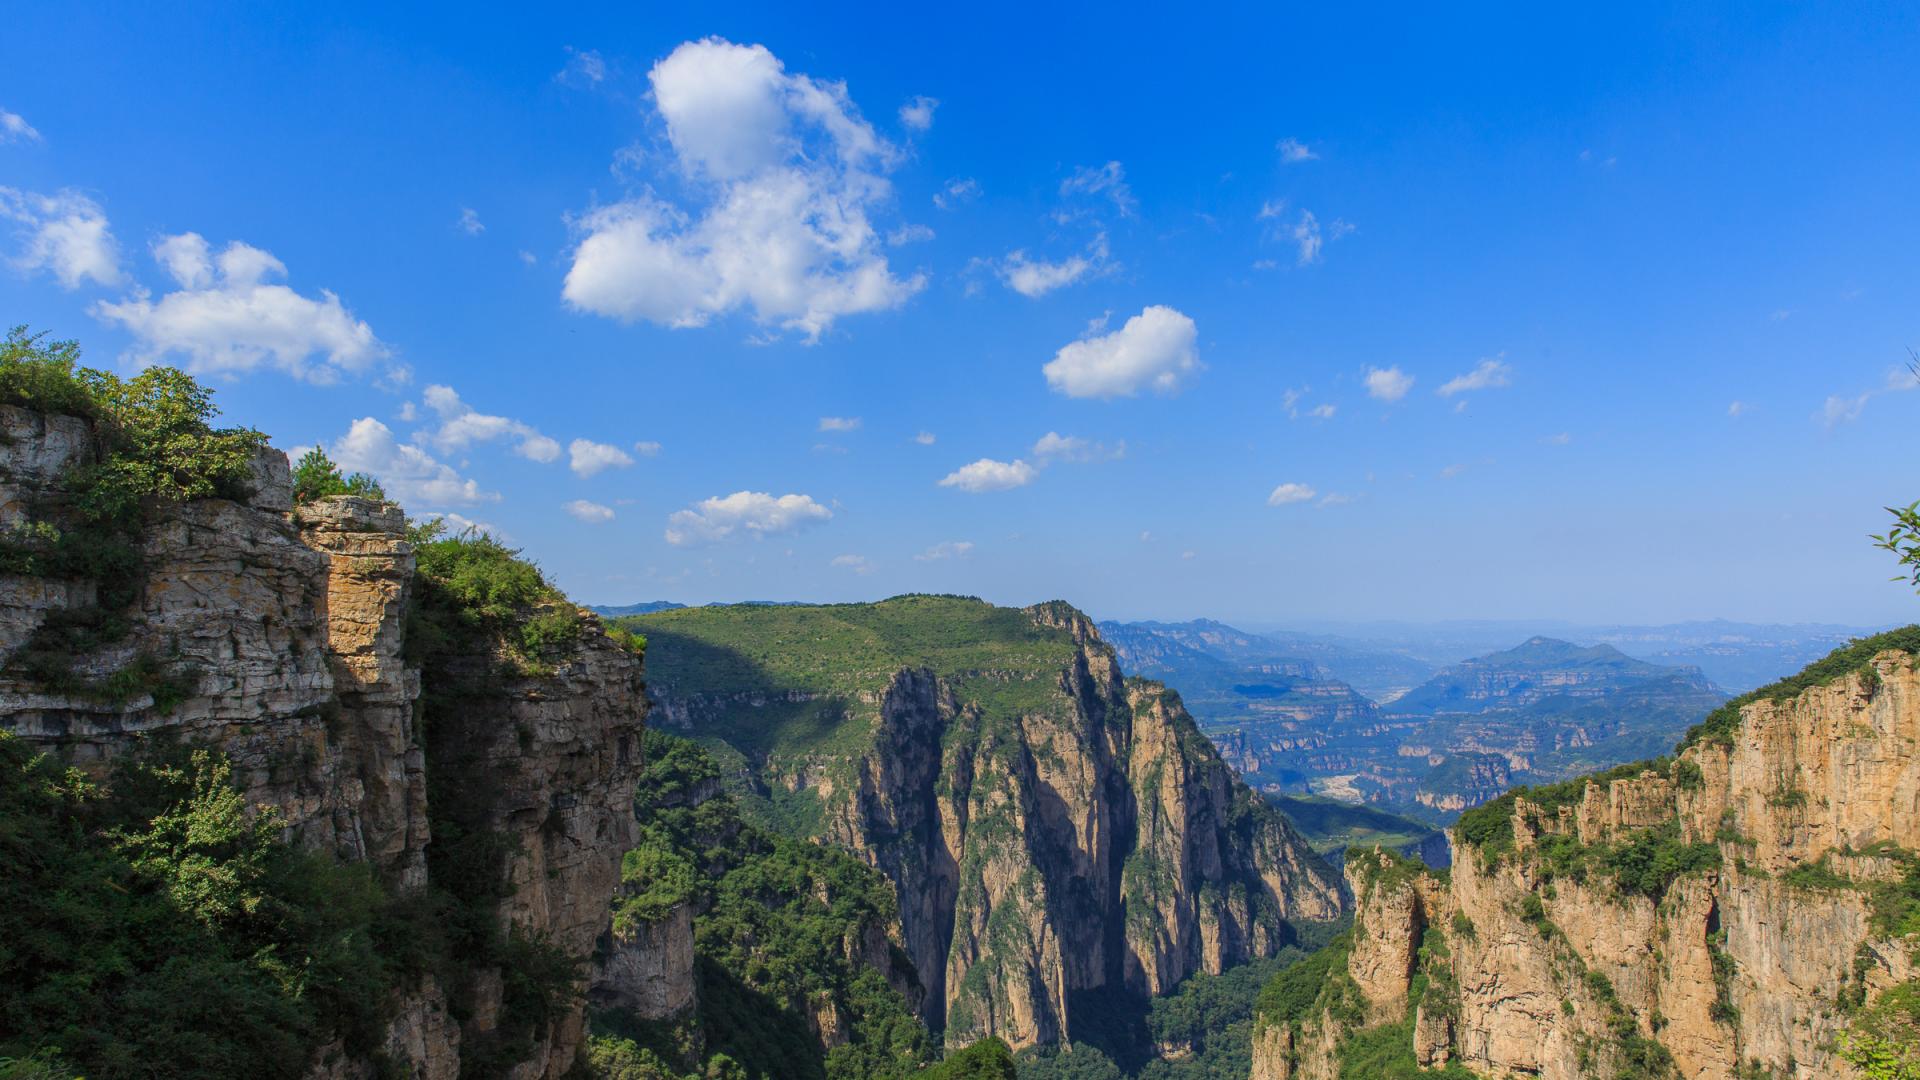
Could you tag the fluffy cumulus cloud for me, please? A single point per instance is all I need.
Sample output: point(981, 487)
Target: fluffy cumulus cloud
point(462, 426)
point(590, 512)
point(946, 549)
point(64, 234)
point(1487, 375)
point(1037, 277)
point(925, 438)
point(748, 513)
point(1156, 349)
point(1388, 384)
point(226, 318)
point(917, 114)
point(786, 174)
point(1287, 494)
point(586, 457)
point(408, 472)
point(989, 475)
point(14, 128)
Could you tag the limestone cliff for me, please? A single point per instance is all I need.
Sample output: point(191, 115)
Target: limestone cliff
point(282, 635)
point(1050, 828)
point(1737, 911)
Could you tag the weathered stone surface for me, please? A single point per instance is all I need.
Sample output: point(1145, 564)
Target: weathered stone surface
point(1831, 768)
point(288, 632)
point(650, 972)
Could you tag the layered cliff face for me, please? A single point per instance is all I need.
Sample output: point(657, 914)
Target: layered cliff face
point(1050, 829)
point(279, 638)
point(1742, 910)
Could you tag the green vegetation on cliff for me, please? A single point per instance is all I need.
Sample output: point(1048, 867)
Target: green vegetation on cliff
point(827, 655)
point(153, 443)
point(151, 926)
point(784, 929)
point(1851, 659)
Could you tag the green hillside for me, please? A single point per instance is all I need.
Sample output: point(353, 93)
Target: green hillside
point(993, 656)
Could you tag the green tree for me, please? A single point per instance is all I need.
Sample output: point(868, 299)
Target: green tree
point(315, 476)
point(1903, 539)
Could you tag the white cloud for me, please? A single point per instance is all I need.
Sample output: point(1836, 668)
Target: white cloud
point(647, 448)
point(1155, 349)
point(586, 457)
point(14, 128)
point(1841, 409)
point(1054, 446)
point(225, 318)
point(1388, 384)
point(1035, 278)
point(909, 234)
point(1293, 151)
point(1334, 498)
point(790, 173)
point(65, 234)
point(859, 564)
point(470, 222)
point(957, 192)
point(839, 423)
point(1109, 180)
point(590, 512)
point(1487, 375)
point(529, 258)
point(925, 438)
point(753, 513)
point(1561, 439)
point(990, 475)
point(408, 473)
point(461, 426)
point(918, 113)
point(1737, 408)
point(1453, 470)
point(1290, 493)
point(586, 66)
point(1310, 239)
point(946, 549)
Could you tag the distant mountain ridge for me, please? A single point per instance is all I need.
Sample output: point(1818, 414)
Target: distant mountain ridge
point(1536, 669)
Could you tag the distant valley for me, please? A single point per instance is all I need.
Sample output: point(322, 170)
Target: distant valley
point(1460, 735)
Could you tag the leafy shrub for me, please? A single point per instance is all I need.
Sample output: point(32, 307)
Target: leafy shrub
point(1850, 659)
point(154, 927)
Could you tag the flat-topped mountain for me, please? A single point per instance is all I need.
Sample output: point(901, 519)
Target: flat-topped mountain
point(1053, 829)
point(1538, 669)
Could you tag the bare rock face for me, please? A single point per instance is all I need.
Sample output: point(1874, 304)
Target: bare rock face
point(1734, 970)
point(286, 635)
point(1100, 842)
point(649, 972)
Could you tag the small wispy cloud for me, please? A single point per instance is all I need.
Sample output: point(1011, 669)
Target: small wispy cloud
point(957, 192)
point(1109, 180)
point(1561, 439)
point(859, 564)
point(14, 128)
point(470, 222)
point(987, 475)
point(839, 423)
point(947, 549)
point(1844, 409)
point(1389, 383)
point(917, 115)
point(925, 438)
point(1293, 151)
point(590, 512)
point(1289, 493)
point(1487, 375)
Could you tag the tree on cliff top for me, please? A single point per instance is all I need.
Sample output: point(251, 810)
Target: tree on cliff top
point(315, 476)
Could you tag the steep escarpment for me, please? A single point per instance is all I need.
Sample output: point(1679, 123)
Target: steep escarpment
point(1746, 908)
point(162, 592)
point(1052, 830)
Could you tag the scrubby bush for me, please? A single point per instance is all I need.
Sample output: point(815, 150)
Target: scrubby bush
point(315, 476)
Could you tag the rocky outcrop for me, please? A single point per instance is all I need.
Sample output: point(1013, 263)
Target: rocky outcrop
point(1713, 919)
point(282, 635)
point(1049, 828)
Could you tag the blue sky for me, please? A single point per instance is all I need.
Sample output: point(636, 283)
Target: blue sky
point(1255, 314)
